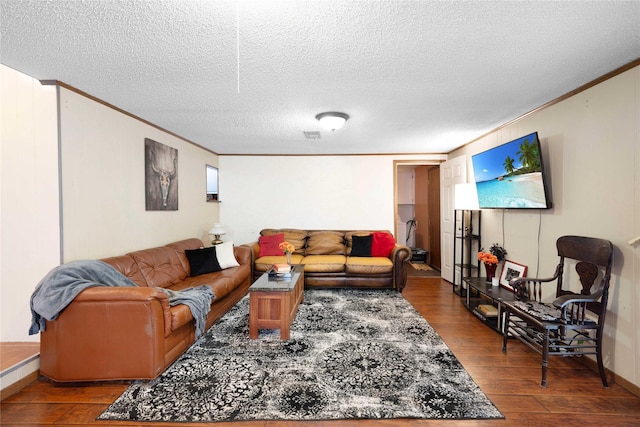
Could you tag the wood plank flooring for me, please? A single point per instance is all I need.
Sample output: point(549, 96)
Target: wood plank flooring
point(12, 353)
point(574, 395)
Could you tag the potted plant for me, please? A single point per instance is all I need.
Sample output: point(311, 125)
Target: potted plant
point(491, 259)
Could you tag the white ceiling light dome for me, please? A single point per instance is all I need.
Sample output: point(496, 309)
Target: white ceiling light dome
point(332, 120)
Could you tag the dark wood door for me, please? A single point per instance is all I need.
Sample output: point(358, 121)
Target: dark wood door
point(427, 211)
point(434, 216)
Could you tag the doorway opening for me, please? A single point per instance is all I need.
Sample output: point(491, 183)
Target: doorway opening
point(417, 211)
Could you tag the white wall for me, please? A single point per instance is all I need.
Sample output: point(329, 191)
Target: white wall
point(103, 183)
point(30, 231)
point(591, 149)
point(308, 192)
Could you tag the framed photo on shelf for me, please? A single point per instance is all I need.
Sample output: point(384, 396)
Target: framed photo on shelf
point(511, 270)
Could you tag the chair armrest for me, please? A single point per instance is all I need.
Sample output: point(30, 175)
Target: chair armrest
point(567, 299)
point(522, 285)
point(526, 280)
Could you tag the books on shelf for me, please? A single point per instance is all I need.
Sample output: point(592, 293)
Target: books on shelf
point(488, 310)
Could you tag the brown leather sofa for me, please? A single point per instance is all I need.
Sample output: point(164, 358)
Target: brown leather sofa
point(328, 262)
point(122, 333)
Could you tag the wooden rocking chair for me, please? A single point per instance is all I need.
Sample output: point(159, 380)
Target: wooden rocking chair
point(563, 327)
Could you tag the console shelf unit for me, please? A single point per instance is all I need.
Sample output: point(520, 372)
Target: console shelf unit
point(479, 291)
point(466, 246)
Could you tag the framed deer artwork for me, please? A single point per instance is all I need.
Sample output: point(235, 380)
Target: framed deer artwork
point(160, 176)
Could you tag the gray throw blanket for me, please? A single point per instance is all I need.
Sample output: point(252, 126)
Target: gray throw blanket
point(62, 284)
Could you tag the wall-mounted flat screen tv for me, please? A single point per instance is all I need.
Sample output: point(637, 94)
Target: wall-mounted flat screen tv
point(511, 176)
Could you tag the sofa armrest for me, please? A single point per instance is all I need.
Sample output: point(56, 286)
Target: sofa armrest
point(107, 333)
point(400, 255)
point(243, 254)
point(128, 295)
point(254, 247)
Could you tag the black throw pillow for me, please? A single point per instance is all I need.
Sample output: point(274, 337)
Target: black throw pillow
point(361, 245)
point(202, 261)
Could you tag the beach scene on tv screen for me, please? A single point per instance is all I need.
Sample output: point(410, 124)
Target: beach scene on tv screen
point(510, 176)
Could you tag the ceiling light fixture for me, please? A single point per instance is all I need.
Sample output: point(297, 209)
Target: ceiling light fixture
point(332, 120)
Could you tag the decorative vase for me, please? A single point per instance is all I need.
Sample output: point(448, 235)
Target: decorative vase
point(491, 271)
point(288, 258)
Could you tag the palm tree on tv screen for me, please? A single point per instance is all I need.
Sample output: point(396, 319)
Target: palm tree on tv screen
point(508, 165)
point(528, 156)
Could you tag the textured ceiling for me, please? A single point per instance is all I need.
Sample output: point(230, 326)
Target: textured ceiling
point(250, 76)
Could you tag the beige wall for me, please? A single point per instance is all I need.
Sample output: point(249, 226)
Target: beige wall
point(591, 148)
point(29, 229)
point(102, 192)
point(103, 183)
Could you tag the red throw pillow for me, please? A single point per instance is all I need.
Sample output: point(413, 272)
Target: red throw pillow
point(269, 245)
point(382, 244)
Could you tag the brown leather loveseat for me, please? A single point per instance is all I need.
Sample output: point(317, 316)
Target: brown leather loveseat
point(121, 333)
point(329, 261)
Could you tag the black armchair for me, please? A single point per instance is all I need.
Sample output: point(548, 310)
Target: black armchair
point(573, 324)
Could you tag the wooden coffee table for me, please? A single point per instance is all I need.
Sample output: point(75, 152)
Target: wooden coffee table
point(273, 303)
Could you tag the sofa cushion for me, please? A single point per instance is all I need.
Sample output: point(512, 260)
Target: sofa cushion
point(368, 265)
point(298, 238)
point(181, 245)
point(325, 243)
point(382, 243)
point(160, 266)
point(127, 266)
point(225, 256)
point(266, 262)
point(202, 261)
point(269, 245)
point(361, 246)
point(324, 263)
point(222, 282)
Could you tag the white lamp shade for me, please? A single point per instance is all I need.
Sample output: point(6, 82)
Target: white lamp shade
point(217, 230)
point(466, 197)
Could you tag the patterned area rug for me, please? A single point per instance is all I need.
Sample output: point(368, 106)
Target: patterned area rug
point(353, 354)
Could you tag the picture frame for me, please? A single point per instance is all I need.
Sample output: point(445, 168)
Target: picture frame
point(160, 176)
point(511, 270)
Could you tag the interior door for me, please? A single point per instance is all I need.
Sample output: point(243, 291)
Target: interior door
point(452, 172)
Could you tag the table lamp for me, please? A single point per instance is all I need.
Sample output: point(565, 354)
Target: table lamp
point(216, 232)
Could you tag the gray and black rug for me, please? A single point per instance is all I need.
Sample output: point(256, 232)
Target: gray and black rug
point(352, 354)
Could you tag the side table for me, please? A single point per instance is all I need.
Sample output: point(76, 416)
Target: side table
point(273, 303)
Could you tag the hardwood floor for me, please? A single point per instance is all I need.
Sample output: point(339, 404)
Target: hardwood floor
point(14, 352)
point(574, 396)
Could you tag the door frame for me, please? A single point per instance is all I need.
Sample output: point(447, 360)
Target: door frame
point(399, 163)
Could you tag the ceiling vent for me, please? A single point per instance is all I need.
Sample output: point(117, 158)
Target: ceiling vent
point(312, 134)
